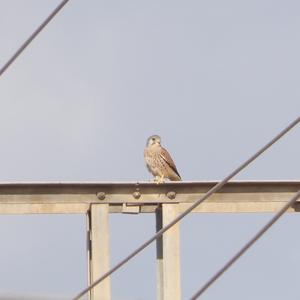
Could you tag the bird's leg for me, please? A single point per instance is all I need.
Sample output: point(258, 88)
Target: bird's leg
point(161, 179)
point(156, 179)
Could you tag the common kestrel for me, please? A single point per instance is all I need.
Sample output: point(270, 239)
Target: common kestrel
point(159, 161)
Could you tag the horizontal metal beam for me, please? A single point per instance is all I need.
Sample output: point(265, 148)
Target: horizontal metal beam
point(76, 197)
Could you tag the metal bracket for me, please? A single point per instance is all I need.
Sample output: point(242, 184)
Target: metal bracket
point(130, 208)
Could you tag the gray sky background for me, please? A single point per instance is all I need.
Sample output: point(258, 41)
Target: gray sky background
point(216, 79)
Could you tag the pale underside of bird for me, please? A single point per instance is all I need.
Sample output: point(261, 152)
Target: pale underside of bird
point(159, 161)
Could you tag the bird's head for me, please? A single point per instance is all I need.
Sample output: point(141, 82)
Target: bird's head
point(153, 140)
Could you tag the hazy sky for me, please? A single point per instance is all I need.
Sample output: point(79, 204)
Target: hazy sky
point(216, 79)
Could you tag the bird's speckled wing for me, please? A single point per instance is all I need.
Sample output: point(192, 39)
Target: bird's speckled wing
point(168, 159)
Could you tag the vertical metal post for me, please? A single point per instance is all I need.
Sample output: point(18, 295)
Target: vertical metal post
point(159, 257)
point(99, 249)
point(171, 254)
point(88, 249)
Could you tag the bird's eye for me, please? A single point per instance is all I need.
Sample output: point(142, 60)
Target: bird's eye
point(153, 139)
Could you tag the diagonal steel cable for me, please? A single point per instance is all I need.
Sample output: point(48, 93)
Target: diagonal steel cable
point(214, 189)
point(33, 36)
point(250, 243)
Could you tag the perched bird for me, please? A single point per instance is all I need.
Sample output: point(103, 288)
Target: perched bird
point(159, 161)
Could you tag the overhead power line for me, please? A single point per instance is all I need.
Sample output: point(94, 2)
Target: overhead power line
point(214, 189)
point(250, 243)
point(33, 36)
